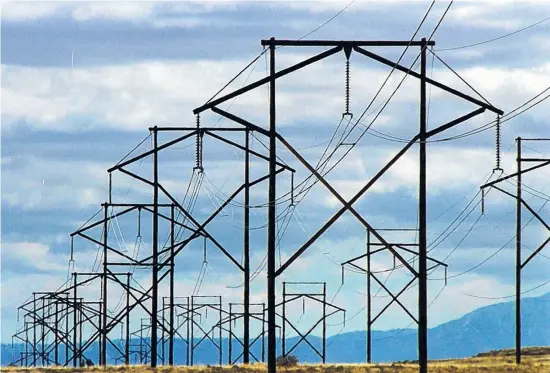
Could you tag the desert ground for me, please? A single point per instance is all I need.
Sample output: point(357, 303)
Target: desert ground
point(535, 360)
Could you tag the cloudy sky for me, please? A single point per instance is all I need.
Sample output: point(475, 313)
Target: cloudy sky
point(83, 82)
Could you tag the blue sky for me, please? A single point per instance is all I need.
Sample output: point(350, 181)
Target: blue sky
point(82, 82)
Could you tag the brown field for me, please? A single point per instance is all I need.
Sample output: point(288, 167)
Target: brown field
point(535, 360)
point(473, 365)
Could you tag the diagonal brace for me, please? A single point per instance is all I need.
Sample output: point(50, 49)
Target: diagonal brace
point(347, 206)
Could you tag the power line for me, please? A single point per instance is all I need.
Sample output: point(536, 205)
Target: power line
point(494, 39)
point(502, 297)
point(328, 20)
point(458, 75)
point(255, 59)
point(325, 162)
point(383, 84)
point(407, 327)
point(492, 255)
point(508, 116)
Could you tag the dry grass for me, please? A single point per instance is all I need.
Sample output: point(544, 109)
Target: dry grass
point(526, 351)
point(491, 364)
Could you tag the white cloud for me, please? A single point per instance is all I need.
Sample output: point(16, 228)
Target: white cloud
point(164, 93)
point(135, 96)
point(26, 11)
point(108, 10)
point(34, 254)
point(43, 184)
point(83, 11)
point(482, 14)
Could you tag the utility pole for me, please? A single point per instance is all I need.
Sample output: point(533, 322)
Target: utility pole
point(75, 276)
point(103, 328)
point(127, 344)
point(189, 324)
point(67, 330)
point(56, 351)
point(271, 219)
point(423, 243)
point(100, 323)
point(26, 343)
point(172, 269)
point(43, 337)
point(369, 308)
point(324, 322)
point(518, 254)
point(81, 321)
point(154, 298)
point(246, 254)
point(34, 331)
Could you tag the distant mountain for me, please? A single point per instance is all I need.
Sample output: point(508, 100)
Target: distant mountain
point(487, 328)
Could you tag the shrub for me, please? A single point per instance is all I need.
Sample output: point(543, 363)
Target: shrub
point(287, 361)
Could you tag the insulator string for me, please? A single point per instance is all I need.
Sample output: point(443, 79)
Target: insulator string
point(497, 144)
point(139, 223)
point(483, 201)
point(347, 88)
point(198, 145)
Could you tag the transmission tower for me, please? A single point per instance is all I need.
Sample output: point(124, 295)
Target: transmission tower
point(521, 203)
point(160, 261)
point(275, 137)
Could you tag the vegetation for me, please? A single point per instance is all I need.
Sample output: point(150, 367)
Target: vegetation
point(493, 362)
point(287, 361)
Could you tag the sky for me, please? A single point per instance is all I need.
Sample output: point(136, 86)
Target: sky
point(82, 83)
